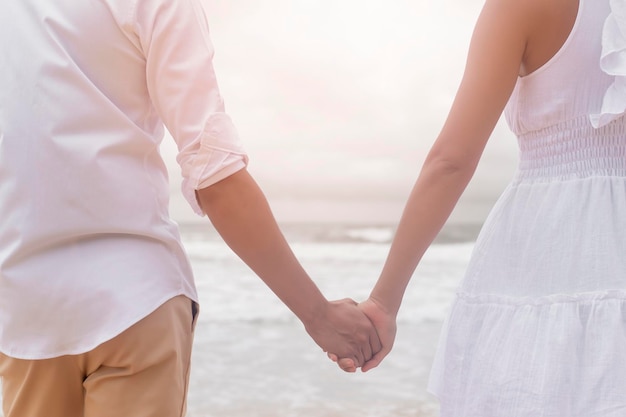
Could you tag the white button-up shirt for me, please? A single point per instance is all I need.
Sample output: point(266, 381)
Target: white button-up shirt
point(87, 247)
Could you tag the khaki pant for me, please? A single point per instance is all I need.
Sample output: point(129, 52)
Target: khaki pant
point(143, 372)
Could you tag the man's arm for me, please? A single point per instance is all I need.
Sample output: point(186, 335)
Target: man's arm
point(239, 211)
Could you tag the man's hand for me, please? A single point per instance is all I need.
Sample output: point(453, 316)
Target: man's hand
point(385, 324)
point(342, 328)
point(240, 213)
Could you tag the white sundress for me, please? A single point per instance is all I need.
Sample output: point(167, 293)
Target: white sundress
point(538, 327)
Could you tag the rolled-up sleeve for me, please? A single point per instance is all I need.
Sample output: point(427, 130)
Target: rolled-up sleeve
point(216, 155)
point(181, 81)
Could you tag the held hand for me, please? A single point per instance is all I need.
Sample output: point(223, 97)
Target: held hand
point(385, 324)
point(345, 330)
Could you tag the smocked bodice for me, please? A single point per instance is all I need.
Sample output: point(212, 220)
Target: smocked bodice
point(567, 115)
point(572, 149)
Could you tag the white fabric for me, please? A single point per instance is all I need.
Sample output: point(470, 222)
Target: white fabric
point(538, 327)
point(87, 247)
point(613, 62)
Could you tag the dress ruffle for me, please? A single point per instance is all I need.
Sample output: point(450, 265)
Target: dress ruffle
point(613, 62)
point(561, 355)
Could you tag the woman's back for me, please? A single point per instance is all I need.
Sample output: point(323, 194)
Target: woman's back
point(570, 84)
point(552, 24)
point(537, 327)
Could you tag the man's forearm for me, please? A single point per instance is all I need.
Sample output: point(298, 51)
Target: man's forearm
point(239, 211)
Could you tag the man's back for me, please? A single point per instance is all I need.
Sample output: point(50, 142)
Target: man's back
point(83, 190)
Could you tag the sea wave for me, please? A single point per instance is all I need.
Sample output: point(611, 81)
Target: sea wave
point(331, 232)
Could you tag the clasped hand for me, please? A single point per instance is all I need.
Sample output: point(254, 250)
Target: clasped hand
point(354, 335)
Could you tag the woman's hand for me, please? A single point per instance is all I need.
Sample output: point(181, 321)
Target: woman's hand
point(385, 325)
point(344, 329)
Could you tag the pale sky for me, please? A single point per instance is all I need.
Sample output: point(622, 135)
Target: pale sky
point(338, 101)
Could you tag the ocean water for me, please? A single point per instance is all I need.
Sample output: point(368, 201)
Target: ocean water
point(253, 358)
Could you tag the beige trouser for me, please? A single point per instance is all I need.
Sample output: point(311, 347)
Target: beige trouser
point(143, 372)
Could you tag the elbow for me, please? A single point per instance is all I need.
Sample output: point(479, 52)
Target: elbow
point(441, 164)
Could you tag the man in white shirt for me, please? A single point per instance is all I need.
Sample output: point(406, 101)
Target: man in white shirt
point(97, 299)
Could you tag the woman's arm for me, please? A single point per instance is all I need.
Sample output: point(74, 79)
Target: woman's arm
point(495, 56)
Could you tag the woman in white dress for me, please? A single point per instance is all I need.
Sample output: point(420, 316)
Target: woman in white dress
point(538, 327)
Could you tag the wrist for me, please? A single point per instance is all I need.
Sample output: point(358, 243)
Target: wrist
point(386, 306)
point(312, 309)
